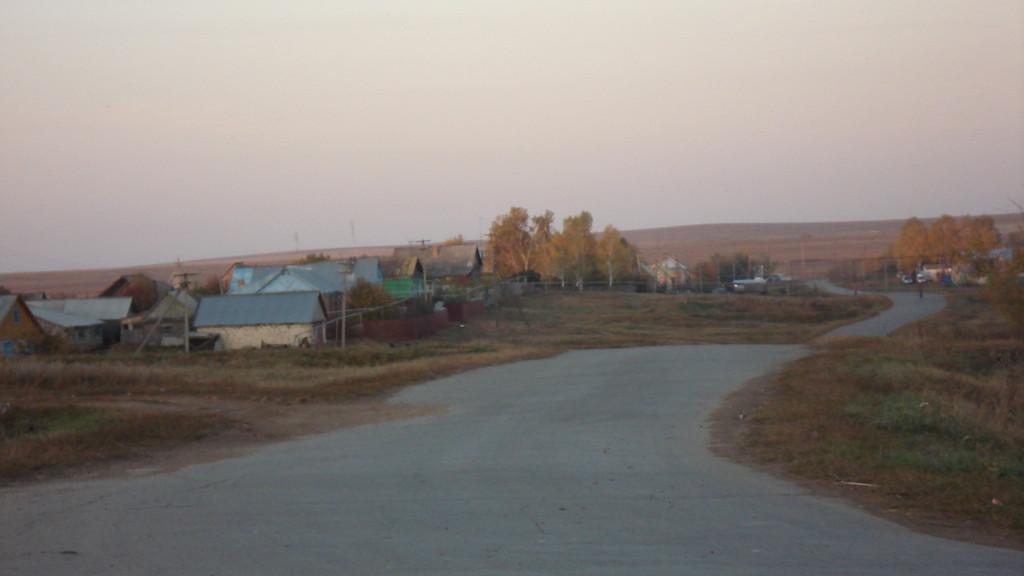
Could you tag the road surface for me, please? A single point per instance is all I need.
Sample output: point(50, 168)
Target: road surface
point(908, 306)
point(594, 462)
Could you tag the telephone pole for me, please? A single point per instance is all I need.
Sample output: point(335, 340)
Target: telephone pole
point(183, 284)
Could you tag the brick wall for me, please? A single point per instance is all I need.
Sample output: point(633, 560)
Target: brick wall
point(405, 328)
point(258, 335)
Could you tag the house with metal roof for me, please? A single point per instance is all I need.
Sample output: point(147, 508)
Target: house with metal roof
point(143, 290)
point(81, 332)
point(669, 273)
point(327, 278)
point(164, 325)
point(278, 319)
point(111, 311)
point(456, 263)
point(20, 332)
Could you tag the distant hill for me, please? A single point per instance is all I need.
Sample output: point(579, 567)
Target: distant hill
point(88, 283)
point(800, 249)
point(786, 244)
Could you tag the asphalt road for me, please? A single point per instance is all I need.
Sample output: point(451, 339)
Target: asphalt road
point(594, 462)
point(908, 306)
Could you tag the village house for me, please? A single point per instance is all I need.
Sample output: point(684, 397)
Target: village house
point(262, 320)
point(143, 291)
point(323, 277)
point(669, 274)
point(403, 277)
point(164, 324)
point(82, 332)
point(20, 332)
point(446, 264)
point(109, 311)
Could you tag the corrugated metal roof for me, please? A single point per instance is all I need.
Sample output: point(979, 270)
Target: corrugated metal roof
point(174, 305)
point(62, 319)
point(445, 260)
point(268, 308)
point(368, 269)
point(323, 277)
point(102, 308)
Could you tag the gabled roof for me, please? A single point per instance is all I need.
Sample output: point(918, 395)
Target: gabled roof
point(145, 291)
point(368, 269)
point(62, 319)
point(268, 308)
point(7, 301)
point(174, 305)
point(442, 261)
point(398, 267)
point(323, 277)
point(102, 308)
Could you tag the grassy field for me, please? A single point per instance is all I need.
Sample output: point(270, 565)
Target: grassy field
point(927, 423)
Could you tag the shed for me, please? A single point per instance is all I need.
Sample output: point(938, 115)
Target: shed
point(285, 319)
point(403, 277)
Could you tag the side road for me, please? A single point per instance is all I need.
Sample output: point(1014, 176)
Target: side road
point(907, 307)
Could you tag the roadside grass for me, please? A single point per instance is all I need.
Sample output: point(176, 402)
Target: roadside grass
point(39, 437)
point(929, 422)
point(76, 392)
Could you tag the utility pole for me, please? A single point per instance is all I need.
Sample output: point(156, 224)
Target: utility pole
point(344, 300)
point(182, 286)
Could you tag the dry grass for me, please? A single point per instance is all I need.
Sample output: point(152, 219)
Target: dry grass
point(36, 437)
point(930, 420)
point(535, 326)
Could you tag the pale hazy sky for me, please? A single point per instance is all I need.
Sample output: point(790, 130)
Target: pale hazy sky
point(136, 132)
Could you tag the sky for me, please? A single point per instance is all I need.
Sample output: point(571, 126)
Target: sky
point(141, 132)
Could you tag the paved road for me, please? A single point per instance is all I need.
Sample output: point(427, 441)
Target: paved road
point(908, 306)
point(594, 462)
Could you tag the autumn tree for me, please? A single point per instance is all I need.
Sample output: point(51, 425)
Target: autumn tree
point(911, 244)
point(727, 268)
point(313, 258)
point(517, 241)
point(210, 287)
point(573, 251)
point(1005, 289)
point(142, 290)
point(1006, 293)
point(365, 295)
point(946, 241)
point(615, 253)
point(979, 233)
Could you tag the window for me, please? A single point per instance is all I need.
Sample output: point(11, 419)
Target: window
point(17, 316)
